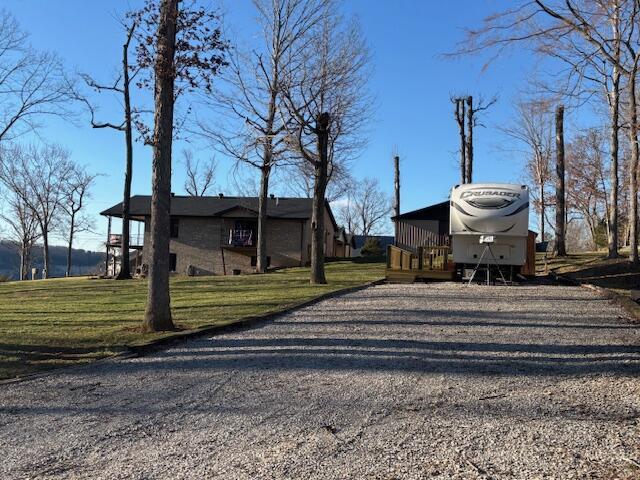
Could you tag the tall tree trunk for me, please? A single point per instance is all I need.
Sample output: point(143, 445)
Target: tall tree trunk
point(265, 171)
point(125, 271)
point(261, 251)
point(70, 245)
point(560, 187)
point(614, 111)
point(319, 190)
point(24, 259)
point(469, 155)
point(633, 169)
point(158, 310)
point(45, 251)
point(543, 206)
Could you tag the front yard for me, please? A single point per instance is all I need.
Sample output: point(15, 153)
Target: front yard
point(594, 267)
point(51, 323)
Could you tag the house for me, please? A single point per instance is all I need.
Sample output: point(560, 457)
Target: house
point(217, 235)
point(345, 244)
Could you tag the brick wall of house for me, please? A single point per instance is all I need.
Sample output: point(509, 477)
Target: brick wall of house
point(285, 242)
point(198, 245)
point(330, 236)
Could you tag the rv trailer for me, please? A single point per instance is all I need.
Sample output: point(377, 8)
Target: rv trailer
point(489, 214)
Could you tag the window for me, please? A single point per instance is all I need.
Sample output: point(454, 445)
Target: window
point(174, 227)
point(173, 260)
point(254, 261)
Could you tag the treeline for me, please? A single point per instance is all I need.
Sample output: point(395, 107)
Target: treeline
point(85, 262)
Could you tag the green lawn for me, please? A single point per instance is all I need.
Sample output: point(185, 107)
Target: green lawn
point(571, 263)
point(595, 268)
point(51, 323)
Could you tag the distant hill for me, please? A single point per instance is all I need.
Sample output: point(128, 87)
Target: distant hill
point(84, 262)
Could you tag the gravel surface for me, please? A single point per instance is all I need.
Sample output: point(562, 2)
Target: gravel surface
point(395, 381)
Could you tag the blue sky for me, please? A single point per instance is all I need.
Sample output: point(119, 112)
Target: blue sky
point(411, 81)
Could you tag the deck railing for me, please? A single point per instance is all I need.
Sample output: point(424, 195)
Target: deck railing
point(426, 258)
point(410, 237)
point(241, 238)
point(135, 240)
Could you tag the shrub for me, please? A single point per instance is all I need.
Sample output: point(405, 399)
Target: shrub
point(371, 248)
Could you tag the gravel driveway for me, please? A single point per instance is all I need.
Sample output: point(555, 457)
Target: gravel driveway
point(395, 381)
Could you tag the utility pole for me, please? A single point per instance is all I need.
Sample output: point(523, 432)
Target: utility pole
point(396, 185)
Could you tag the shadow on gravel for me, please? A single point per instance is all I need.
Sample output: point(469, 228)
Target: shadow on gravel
point(509, 319)
point(367, 354)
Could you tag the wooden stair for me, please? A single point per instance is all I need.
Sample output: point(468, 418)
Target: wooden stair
point(429, 263)
point(411, 276)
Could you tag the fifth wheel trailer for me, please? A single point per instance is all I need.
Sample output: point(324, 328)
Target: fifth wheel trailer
point(489, 212)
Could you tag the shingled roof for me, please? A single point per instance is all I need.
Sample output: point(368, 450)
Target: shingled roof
point(438, 211)
point(187, 206)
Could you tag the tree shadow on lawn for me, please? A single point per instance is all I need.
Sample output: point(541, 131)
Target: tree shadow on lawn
point(619, 274)
point(16, 360)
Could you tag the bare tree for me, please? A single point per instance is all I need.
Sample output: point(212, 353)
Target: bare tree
point(199, 177)
point(23, 229)
point(158, 311)
point(180, 50)
point(561, 218)
point(76, 192)
point(37, 174)
point(301, 178)
point(465, 114)
point(122, 87)
point(533, 127)
point(587, 187)
point(474, 121)
point(255, 136)
point(326, 98)
point(584, 20)
point(366, 209)
point(632, 47)
point(32, 84)
point(347, 215)
point(471, 121)
point(460, 108)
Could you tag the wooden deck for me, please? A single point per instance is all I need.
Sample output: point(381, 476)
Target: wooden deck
point(429, 263)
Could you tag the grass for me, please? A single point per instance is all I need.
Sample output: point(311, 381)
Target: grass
point(594, 267)
point(51, 323)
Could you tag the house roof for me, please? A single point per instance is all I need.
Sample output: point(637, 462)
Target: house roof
point(188, 206)
point(438, 211)
point(344, 237)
